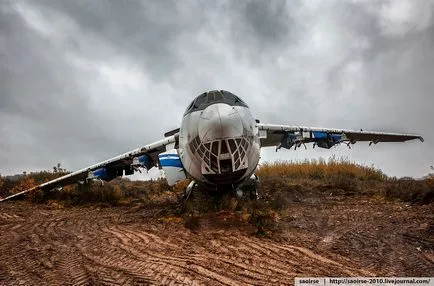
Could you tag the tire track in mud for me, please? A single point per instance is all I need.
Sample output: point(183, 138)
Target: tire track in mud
point(246, 253)
point(123, 254)
point(69, 264)
point(10, 217)
point(200, 262)
point(4, 276)
point(423, 257)
point(82, 246)
point(302, 259)
point(133, 254)
point(230, 265)
point(130, 266)
point(176, 264)
point(374, 251)
point(15, 230)
point(40, 255)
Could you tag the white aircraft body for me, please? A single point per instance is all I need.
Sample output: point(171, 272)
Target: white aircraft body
point(217, 145)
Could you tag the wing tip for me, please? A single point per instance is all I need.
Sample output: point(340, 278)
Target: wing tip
point(421, 139)
point(19, 194)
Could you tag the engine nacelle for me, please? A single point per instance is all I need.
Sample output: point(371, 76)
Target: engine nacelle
point(289, 140)
point(103, 174)
point(172, 166)
point(143, 161)
point(326, 140)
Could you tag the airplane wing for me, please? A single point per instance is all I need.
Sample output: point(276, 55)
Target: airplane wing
point(146, 156)
point(287, 136)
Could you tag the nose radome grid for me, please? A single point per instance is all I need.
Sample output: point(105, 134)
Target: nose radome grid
point(229, 152)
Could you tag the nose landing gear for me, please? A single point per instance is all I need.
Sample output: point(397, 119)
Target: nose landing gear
point(250, 189)
point(188, 190)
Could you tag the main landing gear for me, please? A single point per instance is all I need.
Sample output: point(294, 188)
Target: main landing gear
point(248, 190)
point(188, 190)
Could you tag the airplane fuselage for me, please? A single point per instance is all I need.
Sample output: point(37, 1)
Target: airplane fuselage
point(218, 140)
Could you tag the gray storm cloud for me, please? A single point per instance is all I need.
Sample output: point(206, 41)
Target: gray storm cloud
point(82, 81)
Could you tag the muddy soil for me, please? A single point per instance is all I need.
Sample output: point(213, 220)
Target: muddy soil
point(331, 235)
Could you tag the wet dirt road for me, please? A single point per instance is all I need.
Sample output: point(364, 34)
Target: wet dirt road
point(123, 246)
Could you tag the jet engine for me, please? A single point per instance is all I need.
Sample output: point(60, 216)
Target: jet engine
point(291, 139)
point(104, 174)
point(326, 140)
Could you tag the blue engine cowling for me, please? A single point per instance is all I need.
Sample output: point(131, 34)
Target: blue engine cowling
point(143, 161)
point(172, 166)
point(105, 174)
point(101, 174)
point(289, 140)
point(326, 140)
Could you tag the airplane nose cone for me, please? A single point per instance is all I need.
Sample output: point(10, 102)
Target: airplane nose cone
point(219, 121)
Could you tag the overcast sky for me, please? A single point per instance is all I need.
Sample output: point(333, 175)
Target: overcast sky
point(82, 81)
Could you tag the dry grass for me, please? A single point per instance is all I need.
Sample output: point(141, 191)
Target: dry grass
point(320, 169)
point(117, 192)
point(410, 190)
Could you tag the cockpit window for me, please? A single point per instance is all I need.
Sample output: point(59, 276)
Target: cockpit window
point(218, 96)
point(190, 106)
point(215, 96)
point(238, 100)
point(211, 96)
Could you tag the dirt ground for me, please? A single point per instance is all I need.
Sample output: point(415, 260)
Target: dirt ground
point(329, 235)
